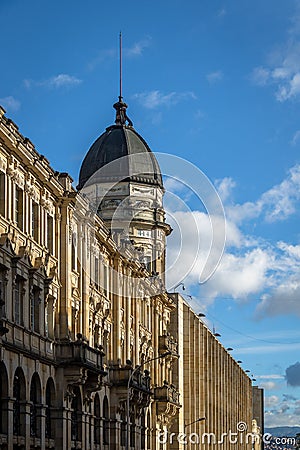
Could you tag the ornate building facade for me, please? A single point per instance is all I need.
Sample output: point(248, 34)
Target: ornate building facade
point(88, 341)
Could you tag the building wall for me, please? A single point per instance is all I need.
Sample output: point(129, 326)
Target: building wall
point(212, 384)
point(79, 313)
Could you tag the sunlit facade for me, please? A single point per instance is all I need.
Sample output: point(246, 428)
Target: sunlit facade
point(82, 306)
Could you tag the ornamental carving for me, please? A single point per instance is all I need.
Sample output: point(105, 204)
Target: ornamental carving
point(3, 164)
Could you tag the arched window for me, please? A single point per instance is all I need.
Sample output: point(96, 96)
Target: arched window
point(35, 399)
point(50, 399)
point(97, 419)
point(3, 398)
point(105, 421)
point(76, 406)
point(19, 403)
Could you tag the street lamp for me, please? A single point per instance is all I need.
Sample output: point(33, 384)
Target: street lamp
point(195, 421)
point(179, 284)
point(163, 355)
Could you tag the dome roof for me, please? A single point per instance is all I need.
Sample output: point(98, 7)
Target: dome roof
point(119, 141)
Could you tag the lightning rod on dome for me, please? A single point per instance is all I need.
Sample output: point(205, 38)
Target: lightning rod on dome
point(120, 65)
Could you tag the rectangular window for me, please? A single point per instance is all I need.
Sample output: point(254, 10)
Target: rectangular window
point(3, 282)
point(49, 242)
point(73, 256)
point(106, 274)
point(35, 310)
point(18, 212)
point(144, 233)
point(35, 221)
point(97, 272)
point(18, 301)
point(2, 194)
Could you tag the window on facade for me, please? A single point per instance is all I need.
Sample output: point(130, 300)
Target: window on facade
point(3, 399)
point(73, 256)
point(97, 419)
point(132, 431)
point(143, 431)
point(105, 421)
point(76, 415)
point(97, 272)
point(106, 274)
point(35, 402)
point(147, 261)
point(2, 292)
point(123, 429)
point(35, 221)
point(18, 207)
point(49, 316)
point(49, 426)
point(18, 405)
point(97, 334)
point(144, 233)
point(35, 309)
point(2, 194)
point(18, 301)
point(50, 242)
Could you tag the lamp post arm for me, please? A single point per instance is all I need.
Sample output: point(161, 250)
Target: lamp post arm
point(198, 420)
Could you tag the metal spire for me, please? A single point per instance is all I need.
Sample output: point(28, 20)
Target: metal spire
point(120, 106)
point(120, 61)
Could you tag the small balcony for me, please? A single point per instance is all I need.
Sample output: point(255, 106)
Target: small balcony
point(79, 353)
point(140, 390)
point(119, 376)
point(168, 343)
point(167, 393)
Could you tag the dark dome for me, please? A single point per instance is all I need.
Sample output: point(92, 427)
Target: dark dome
point(119, 141)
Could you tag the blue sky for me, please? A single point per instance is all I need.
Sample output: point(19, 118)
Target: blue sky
point(216, 83)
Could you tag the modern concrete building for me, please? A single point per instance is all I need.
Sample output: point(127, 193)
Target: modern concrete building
point(215, 392)
point(89, 337)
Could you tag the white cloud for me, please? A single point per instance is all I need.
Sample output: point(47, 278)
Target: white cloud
point(277, 419)
point(214, 77)
point(267, 349)
point(61, 80)
point(271, 401)
point(281, 412)
point(155, 99)
point(103, 55)
point(295, 138)
point(222, 12)
point(138, 47)
point(260, 76)
point(250, 265)
point(283, 68)
point(276, 204)
point(10, 103)
point(274, 376)
point(225, 187)
point(268, 385)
